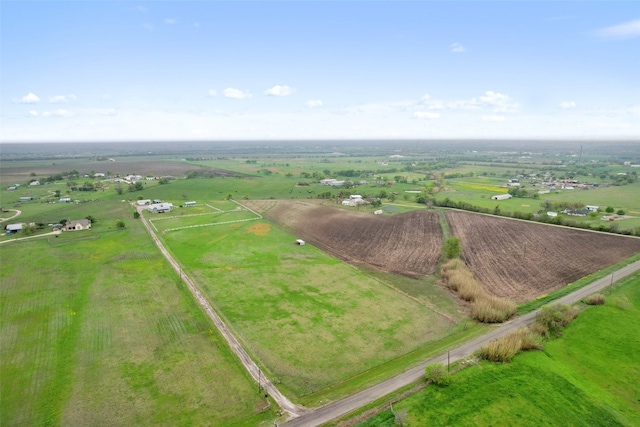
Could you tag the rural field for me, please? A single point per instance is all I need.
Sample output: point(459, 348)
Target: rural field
point(100, 331)
point(523, 260)
point(407, 244)
point(310, 320)
point(587, 377)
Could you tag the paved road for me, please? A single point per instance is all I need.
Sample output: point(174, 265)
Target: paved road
point(348, 404)
point(250, 365)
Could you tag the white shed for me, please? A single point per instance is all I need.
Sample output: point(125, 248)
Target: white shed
point(501, 197)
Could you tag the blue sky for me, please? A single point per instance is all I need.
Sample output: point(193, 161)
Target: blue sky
point(213, 70)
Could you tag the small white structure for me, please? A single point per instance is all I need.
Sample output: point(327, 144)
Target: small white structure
point(160, 207)
point(592, 208)
point(300, 242)
point(378, 212)
point(34, 183)
point(143, 202)
point(99, 175)
point(65, 200)
point(189, 204)
point(552, 214)
point(501, 197)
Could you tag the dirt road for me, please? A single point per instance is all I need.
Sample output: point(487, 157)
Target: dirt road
point(53, 233)
point(250, 365)
point(17, 213)
point(344, 406)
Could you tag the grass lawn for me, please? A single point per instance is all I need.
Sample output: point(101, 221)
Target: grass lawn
point(98, 330)
point(588, 377)
point(309, 319)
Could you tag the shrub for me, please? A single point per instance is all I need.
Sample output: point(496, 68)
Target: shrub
point(594, 299)
point(492, 309)
point(501, 350)
point(506, 347)
point(556, 317)
point(437, 375)
point(539, 329)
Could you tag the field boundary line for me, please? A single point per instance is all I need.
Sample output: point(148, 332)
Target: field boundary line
point(218, 212)
point(235, 346)
point(210, 224)
point(247, 208)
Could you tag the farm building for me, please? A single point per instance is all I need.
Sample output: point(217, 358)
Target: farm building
point(13, 228)
point(143, 202)
point(592, 208)
point(34, 183)
point(160, 207)
point(353, 200)
point(332, 182)
point(76, 225)
point(501, 197)
point(189, 204)
point(26, 199)
point(65, 200)
point(300, 242)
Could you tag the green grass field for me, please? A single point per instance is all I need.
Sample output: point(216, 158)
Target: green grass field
point(588, 377)
point(311, 320)
point(98, 330)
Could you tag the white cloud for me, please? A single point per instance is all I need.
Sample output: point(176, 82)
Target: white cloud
point(425, 115)
point(494, 101)
point(107, 112)
point(494, 119)
point(278, 90)
point(568, 105)
point(236, 93)
point(58, 113)
point(30, 98)
point(457, 48)
point(313, 103)
point(626, 30)
point(147, 26)
point(213, 92)
point(170, 21)
point(33, 113)
point(62, 99)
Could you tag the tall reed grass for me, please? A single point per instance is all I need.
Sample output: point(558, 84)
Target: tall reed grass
point(485, 307)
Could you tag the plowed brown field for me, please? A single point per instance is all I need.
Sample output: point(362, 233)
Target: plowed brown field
point(407, 244)
point(522, 260)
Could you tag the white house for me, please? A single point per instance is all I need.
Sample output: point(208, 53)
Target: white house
point(592, 208)
point(501, 197)
point(98, 175)
point(34, 183)
point(76, 225)
point(160, 207)
point(65, 200)
point(143, 202)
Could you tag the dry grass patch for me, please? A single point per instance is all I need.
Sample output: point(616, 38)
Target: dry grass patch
point(485, 307)
point(505, 348)
point(594, 299)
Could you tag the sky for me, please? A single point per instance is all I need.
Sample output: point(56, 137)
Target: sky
point(92, 71)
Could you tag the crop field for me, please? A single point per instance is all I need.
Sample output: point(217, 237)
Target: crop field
point(310, 320)
point(407, 244)
point(98, 330)
point(522, 260)
point(587, 377)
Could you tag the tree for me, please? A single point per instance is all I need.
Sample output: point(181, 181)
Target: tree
point(136, 215)
point(451, 248)
point(376, 203)
point(609, 209)
point(119, 188)
point(120, 224)
point(621, 212)
point(90, 218)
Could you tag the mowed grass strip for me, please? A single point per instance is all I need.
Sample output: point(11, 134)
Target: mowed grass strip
point(171, 224)
point(309, 319)
point(102, 332)
point(587, 377)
